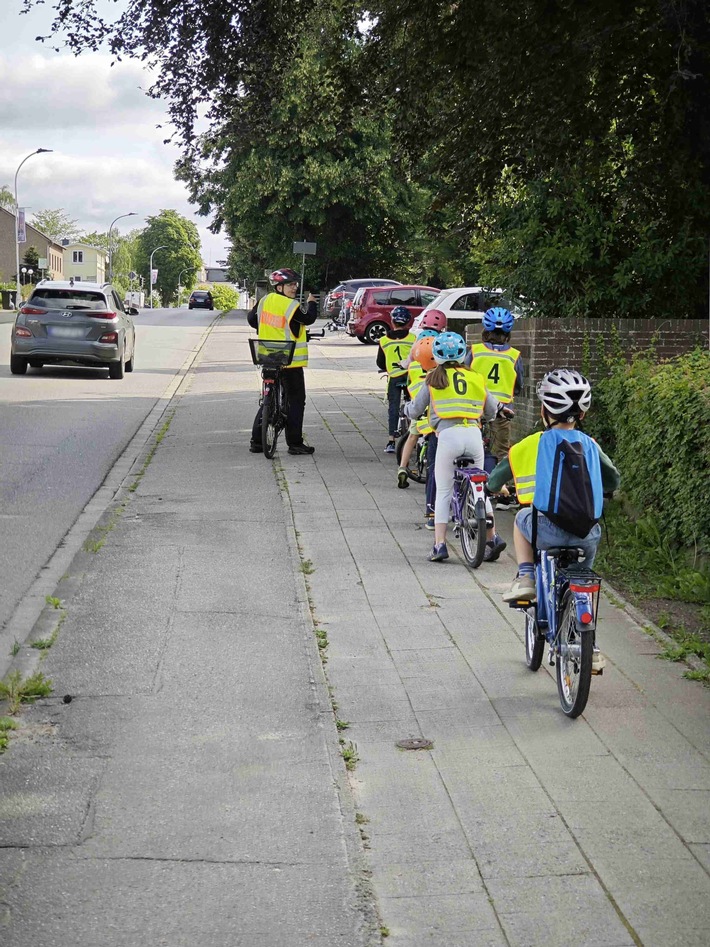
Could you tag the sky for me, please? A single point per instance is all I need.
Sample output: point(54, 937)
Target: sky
point(108, 156)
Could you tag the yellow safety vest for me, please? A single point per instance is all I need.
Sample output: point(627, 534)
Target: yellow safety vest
point(424, 425)
point(497, 368)
point(523, 463)
point(463, 397)
point(274, 313)
point(415, 379)
point(396, 350)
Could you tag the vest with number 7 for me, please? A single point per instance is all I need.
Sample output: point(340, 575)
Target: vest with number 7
point(497, 370)
point(463, 397)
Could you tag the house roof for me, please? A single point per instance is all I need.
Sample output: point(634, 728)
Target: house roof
point(32, 227)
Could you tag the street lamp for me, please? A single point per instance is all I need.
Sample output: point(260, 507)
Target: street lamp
point(110, 268)
point(150, 273)
point(23, 270)
point(39, 151)
point(183, 270)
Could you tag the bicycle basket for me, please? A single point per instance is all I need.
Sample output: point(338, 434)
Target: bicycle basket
point(271, 353)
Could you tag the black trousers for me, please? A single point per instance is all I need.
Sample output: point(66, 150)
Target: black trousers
point(294, 383)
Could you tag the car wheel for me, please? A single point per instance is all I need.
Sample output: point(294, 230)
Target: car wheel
point(18, 366)
point(374, 332)
point(35, 363)
point(115, 369)
point(361, 338)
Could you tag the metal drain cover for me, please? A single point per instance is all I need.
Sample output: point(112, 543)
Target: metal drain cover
point(417, 743)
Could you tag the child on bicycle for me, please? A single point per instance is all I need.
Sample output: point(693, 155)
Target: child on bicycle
point(501, 366)
point(456, 398)
point(566, 396)
point(420, 361)
point(394, 348)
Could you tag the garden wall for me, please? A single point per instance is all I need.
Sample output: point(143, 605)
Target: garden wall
point(580, 343)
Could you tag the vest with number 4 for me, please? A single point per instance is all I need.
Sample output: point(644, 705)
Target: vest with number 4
point(497, 369)
point(463, 397)
point(560, 473)
point(396, 351)
point(274, 313)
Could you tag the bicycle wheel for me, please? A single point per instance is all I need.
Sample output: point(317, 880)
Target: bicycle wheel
point(534, 641)
point(269, 422)
point(573, 660)
point(473, 529)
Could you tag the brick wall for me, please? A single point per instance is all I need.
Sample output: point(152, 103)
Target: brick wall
point(553, 343)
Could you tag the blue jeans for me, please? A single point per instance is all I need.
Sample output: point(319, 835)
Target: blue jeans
point(550, 535)
point(394, 396)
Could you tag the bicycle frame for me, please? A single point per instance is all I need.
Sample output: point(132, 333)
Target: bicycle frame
point(552, 581)
point(466, 478)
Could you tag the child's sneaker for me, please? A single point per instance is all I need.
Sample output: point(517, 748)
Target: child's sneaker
point(402, 478)
point(598, 661)
point(494, 548)
point(507, 503)
point(390, 449)
point(522, 590)
point(429, 521)
point(439, 553)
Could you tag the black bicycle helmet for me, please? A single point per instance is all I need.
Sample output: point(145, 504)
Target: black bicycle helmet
point(283, 276)
point(401, 317)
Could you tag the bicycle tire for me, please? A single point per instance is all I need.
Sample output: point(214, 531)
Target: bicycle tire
point(269, 423)
point(573, 661)
point(415, 472)
point(534, 641)
point(473, 529)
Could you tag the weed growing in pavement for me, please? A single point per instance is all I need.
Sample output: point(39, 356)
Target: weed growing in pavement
point(342, 724)
point(361, 818)
point(384, 931)
point(44, 644)
point(17, 691)
point(6, 724)
point(348, 751)
point(151, 453)
point(15, 648)
point(307, 567)
point(53, 601)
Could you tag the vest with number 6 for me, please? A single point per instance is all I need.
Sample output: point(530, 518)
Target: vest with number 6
point(463, 397)
point(274, 313)
point(396, 350)
point(497, 369)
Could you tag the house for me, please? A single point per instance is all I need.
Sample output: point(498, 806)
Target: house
point(84, 262)
point(216, 274)
point(46, 249)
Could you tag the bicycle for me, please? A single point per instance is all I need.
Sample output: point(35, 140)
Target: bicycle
point(272, 357)
point(468, 510)
point(416, 468)
point(565, 617)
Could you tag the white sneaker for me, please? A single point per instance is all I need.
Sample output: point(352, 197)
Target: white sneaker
point(522, 590)
point(598, 662)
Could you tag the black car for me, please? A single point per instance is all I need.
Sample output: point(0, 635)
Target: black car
point(200, 299)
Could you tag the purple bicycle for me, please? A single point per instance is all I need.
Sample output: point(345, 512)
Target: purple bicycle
point(468, 509)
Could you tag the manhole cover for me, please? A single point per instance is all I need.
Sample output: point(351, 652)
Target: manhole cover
point(418, 743)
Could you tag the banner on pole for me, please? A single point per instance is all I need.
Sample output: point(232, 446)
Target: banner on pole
point(21, 228)
point(153, 277)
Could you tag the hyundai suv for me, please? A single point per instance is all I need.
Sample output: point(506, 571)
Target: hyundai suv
point(371, 308)
point(81, 323)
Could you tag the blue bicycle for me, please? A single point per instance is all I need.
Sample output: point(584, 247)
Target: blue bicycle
point(564, 616)
point(468, 509)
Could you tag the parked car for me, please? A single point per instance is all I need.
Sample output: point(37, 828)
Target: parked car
point(82, 323)
point(346, 291)
point(465, 304)
point(371, 308)
point(200, 299)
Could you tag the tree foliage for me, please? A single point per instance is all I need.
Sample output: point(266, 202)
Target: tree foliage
point(180, 242)
point(7, 198)
point(56, 224)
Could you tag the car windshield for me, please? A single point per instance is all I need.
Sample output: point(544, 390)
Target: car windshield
point(435, 303)
point(68, 299)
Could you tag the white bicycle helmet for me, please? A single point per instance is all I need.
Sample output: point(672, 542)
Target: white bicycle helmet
point(565, 391)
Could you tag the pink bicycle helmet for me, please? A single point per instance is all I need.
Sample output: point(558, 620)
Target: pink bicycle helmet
point(433, 319)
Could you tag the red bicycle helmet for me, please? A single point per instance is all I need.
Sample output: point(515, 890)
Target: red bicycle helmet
point(433, 319)
point(283, 276)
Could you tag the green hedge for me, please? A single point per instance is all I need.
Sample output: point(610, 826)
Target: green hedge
point(653, 419)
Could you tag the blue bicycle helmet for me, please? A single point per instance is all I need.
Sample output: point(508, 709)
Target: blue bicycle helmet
point(498, 318)
point(448, 347)
point(427, 333)
point(401, 317)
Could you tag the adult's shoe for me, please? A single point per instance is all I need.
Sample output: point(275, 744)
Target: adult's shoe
point(255, 448)
point(301, 449)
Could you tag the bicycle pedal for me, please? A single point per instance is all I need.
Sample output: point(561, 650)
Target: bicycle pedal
point(598, 672)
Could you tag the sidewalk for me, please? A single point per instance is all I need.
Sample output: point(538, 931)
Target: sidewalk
point(193, 791)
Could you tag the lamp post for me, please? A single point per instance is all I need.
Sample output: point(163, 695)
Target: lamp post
point(23, 270)
point(183, 270)
point(39, 151)
point(150, 273)
point(110, 247)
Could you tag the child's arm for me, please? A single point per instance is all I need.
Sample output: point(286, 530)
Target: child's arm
point(416, 408)
point(519, 375)
point(499, 476)
point(611, 478)
point(381, 361)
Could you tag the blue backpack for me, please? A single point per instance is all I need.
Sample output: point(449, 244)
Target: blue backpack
point(568, 481)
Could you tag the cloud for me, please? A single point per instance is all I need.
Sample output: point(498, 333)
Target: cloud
point(59, 91)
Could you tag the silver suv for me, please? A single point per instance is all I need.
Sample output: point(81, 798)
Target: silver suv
point(76, 322)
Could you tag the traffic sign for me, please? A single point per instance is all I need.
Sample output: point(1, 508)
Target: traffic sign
point(307, 249)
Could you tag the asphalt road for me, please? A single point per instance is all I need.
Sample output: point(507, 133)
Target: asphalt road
point(62, 429)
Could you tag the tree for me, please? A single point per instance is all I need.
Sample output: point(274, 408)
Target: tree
point(56, 224)
point(7, 198)
point(180, 241)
